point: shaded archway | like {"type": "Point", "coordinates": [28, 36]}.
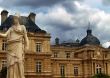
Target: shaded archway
{"type": "Point", "coordinates": [3, 72]}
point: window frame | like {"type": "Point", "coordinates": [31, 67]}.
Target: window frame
{"type": "Point", "coordinates": [55, 54]}
{"type": "Point", "coordinates": [62, 70]}
{"type": "Point", "coordinates": [76, 70]}
{"type": "Point", "coordinates": [68, 55]}
{"type": "Point", "coordinates": [98, 69]}
{"type": "Point", "coordinates": [4, 45]}
{"type": "Point", "coordinates": [38, 47]}
{"type": "Point", "coordinates": [38, 67]}
{"type": "Point", "coordinates": [4, 63]}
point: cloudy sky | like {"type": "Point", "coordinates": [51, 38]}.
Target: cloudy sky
{"type": "Point", "coordinates": [66, 19]}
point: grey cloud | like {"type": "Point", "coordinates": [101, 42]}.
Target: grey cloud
{"type": "Point", "coordinates": [60, 25]}
{"type": "Point", "coordinates": [78, 24]}
{"type": "Point", "coordinates": [33, 3]}
{"type": "Point", "coordinates": [30, 3]}
{"type": "Point", "coordinates": [38, 3]}
{"type": "Point", "coordinates": [69, 6]}
{"type": "Point", "coordinates": [106, 2]}
{"type": "Point", "coordinates": [56, 25]}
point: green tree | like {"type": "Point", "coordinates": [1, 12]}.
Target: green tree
{"type": "Point", "coordinates": [101, 75]}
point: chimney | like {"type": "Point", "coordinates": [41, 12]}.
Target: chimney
{"type": "Point", "coordinates": [4, 15]}
{"type": "Point", "coordinates": [57, 41]}
{"type": "Point", "coordinates": [32, 16]}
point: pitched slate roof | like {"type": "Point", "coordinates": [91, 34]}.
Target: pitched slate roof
{"type": "Point", "coordinates": [30, 25]}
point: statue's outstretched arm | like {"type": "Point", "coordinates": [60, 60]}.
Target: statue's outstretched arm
{"type": "Point", "coordinates": [26, 40]}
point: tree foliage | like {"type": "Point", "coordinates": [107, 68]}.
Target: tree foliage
{"type": "Point", "coordinates": [101, 75]}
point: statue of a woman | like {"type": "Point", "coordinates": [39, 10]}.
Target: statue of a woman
{"type": "Point", "coordinates": [17, 44]}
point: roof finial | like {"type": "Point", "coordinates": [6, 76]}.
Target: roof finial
{"type": "Point", "coordinates": [89, 24]}
{"type": "Point", "coordinates": [89, 31]}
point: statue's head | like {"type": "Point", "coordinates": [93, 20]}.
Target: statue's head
{"type": "Point", "coordinates": [16, 19]}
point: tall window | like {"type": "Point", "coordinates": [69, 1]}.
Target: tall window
{"type": "Point", "coordinates": [98, 69]}
{"type": "Point", "coordinates": [93, 55]}
{"type": "Point", "coordinates": [4, 45]}
{"type": "Point", "coordinates": [38, 67]}
{"type": "Point", "coordinates": [62, 70]}
{"type": "Point", "coordinates": [105, 55]}
{"type": "Point", "coordinates": [67, 55]}
{"type": "Point", "coordinates": [4, 63]}
{"type": "Point", "coordinates": [38, 47]}
{"type": "Point", "coordinates": [106, 68]}
{"type": "Point", "coordinates": [94, 68]}
{"type": "Point", "coordinates": [55, 54]}
{"type": "Point", "coordinates": [75, 70]}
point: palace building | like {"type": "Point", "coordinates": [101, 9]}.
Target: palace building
{"type": "Point", "coordinates": [79, 59]}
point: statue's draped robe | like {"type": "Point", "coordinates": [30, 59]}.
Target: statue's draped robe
{"type": "Point", "coordinates": [15, 54]}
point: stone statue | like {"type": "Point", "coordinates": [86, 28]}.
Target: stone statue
{"type": "Point", "coordinates": [17, 44]}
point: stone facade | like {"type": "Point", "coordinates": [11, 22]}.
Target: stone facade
{"type": "Point", "coordinates": [88, 60]}
{"type": "Point", "coordinates": [44, 60]}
